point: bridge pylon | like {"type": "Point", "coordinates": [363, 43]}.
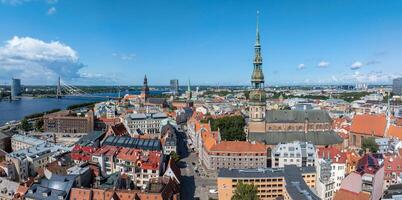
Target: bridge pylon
{"type": "Point", "coordinates": [58, 92]}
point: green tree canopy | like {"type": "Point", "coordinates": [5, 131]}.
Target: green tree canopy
{"type": "Point", "coordinates": [25, 125]}
{"type": "Point", "coordinates": [39, 124]}
{"type": "Point", "coordinates": [231, 127]}
{"type": "Point", "coordinates": [245, 192]}
{"type": "Point", "coordinates": [370, 144]}
{"type": "Point", "coordinates": [175, 156]}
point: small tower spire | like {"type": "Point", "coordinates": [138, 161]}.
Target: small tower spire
{"type": "Point", "coordinates": [145, 88]}
{"type": "Point", "coordinates": [257, 41]}
{"type": "Point", "coordinates": [257, 78]}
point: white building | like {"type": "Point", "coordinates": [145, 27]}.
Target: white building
{"type": "Point", "coordinates": [19, 142]}
{"type": "Point", "coordinates": [337, 159]}
{"type": "Point", "coordinates": [27, 161]}
{"type": "Point", "coordinates": [144, 123]}
{"type": "Point", "coordinates": [324, 183]}
{"type": "Point", "coordinates": [297, 153]}
{"type": "Point", "coordinates": [7, 189]}
{"type": "Point", "coordinates": [105, 110]}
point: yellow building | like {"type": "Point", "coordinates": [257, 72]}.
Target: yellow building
{"type": "Point", "coordinates": [290, 182]}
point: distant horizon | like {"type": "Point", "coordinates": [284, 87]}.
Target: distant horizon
{"type": "Point", "coordinates": [207, 42]}
{"type": "Point", "coordinates": [195, 85]}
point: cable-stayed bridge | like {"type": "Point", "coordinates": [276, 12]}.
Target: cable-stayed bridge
{"type": "Point", "coordinates": [66, 90]}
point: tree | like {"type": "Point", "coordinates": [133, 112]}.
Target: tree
{"type": "Point", "coordinates": [231, 127]}
{"type": "Point", "coordinates": [175, 156]}
{"type": "Point", "coordinates": [39, 124]}
{"type": "Point", "coordinates": [370, 144]}
{"type": "Point", "coordinates": [25, 125]}
{"type": "Point", "coordinates": [245, 192]}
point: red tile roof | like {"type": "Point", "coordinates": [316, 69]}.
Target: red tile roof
{"type": "Point", "coordinates": [392, 163]}
{"type": "Point", "coordinates": [395, 131]}
{"type": "Point", "coordinates": [348, 195]}
{"type": "Point", "coordinates": [335, 154]}
{"type": "Point", "coordinates": [369, 124]}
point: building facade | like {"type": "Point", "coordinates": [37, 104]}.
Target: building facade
{"type": "Point", "coordinates": [69, 122]}
{"type": "Point", "coordinates": [19, 142]}
{"type": "Point", "coordinates": [301, 154]}
{"type": "Point", "coordinates": [144, 123]}
{"type": "Point", "coordinates": [397, 86]}
{"type": "Point", "coordinates": [15, 88]}
{"type": "Point", "coordinates": [174, 86]}
{"type": "Point", "coordinates": [290, 182]}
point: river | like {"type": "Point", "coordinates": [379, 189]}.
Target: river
{"type": "Point", "coordinates": [16, 110]}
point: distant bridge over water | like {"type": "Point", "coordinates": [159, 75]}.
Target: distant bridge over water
{"type": "Point", "coordinates": [66, 90]}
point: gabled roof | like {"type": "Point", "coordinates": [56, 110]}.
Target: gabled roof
{"type": "Point", "coordinates": [366, 124]}
{"type": "Point", "coordinates": [343, 194]}
{"type": "Point", "coordinates": [368, 164]}
{"type": "Point", "coordinates": [119, 129]}
{"type": "Point", "coordinates": [297, 116]}
{"type": "Point", "coordinates": [334, 154]}
{"type": "Point", "coordinates": [395, 131]}
{"type": "Point", "coordinates": [315, 137]}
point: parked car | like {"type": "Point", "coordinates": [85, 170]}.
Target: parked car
{"type": "Point", "coordinates": [213, 191]}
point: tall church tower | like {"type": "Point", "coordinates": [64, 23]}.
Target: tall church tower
{"type": "Point", "coordinates": [145, 89]}
{"type": "Point", "coordinates": [257, 97]}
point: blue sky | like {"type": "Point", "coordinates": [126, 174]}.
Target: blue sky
{"type": "Point", "coordinates": [209, 42]}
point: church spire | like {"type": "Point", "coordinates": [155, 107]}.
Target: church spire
{"type": "Point", "coordinates": [257, 78]}
{"type": "Point", "coordinates": [257, 41]}
{"type": "Point", "coordinates": [145, 88]}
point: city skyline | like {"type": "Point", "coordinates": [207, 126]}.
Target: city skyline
{"type": "Point", "coordinates": [116, 44]}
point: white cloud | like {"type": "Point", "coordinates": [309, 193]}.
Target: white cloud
{"type": "Point", "coordinates": [19, 2]}
{"type": "Point", "coordinates": [51, 11]}
{"type": "Point", "coordinates": [356, 65]}
{"type": "Point", "coordinates": [301, 66]}
{"type": "Point", "coordinates": [323, 64]}
{"type": "Point", "coordinates": [124, 56]}
{"type": "Point", "coordinates": [36, 61]}
{"type": "Point", "coordinates": [14, 2]}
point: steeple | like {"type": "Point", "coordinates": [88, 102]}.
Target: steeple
{"type": "Point", "coordinates": [145, 88]}
{"type": "Point", "coordinates": [188, 92]}
{"type": "Point", "coordinates": [257, 78]}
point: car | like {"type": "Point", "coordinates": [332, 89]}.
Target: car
{"type": "Point", "coordinates": [213, 191]}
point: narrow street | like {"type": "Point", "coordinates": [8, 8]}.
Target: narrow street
{"type": "Point", "coordinates": [192, 185]}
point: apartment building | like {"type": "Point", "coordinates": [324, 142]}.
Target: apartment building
{"type": "Point", "coordinates": [19, 142]}
{"type": "Point", "coordinates": [28, 161]}
{"type": "Point", "coordinates": [290, 182]}
{"type": "Point", "coordinates": [367, 181]}
{"type": "Point", "coordinates": [301, 154]}
{"type": "Point", "coordinates": [67, 121]}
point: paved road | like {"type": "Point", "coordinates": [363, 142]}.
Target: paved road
{"type": "Point", "coordinates": [192, 185]}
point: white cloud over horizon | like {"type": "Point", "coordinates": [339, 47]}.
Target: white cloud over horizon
{"type": "Point", "coordinates": [51, 11]}
{"type": "Point", "coordinates": [356, 65]}
{"type": "Point", "coordinates": [38, 61]}
{"type": "Point", "coordinates": [323, 64]}
{"type": "Point", "coordinates": [301, 66]}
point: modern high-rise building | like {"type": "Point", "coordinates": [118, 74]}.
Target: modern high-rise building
{"type": "Point", "coordinates": [397, 86]}
{"type": "Point", "coordinates": [15, 88]}
{"type": "Point", "coordinates": [174, 86]}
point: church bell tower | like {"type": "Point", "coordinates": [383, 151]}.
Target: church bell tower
{"type": "Point", "coordinates": [257, 97]}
